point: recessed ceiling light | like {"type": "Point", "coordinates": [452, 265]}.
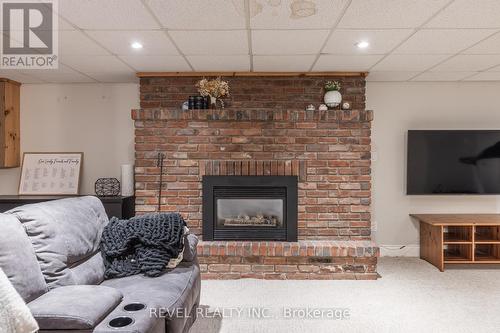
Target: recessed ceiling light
{"type": "Point", "coordinates": [136, 45]}
{"type": "Point", "coordinates": [362, 44]}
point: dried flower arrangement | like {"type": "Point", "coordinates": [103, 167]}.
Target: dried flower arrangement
{"type": "Point", "coordinates": [216, 89]}
{"type": "Point", "coordinates": [332, 86]}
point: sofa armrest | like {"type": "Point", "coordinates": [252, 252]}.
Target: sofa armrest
{"type": "Point", "coordinates": [75, 307]}
{"type": "Point", "coordinates": [190, 244]}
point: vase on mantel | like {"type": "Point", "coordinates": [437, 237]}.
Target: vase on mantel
{"type": "Point", "coordinates": [333, 98]}
{"type": "Point", "coordinates": [213, 102]}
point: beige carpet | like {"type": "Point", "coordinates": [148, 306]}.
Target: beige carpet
{"type": "Point", "coordinates": [411, 296]}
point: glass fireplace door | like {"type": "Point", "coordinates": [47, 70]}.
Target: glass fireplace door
{"type": "Point", "coordinates": [249, 212]}
{"type": "Point", "coordinates": [250, 208]}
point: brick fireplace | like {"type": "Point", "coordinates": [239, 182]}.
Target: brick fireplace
{"type": "Point", "coordinates": [264, 131]}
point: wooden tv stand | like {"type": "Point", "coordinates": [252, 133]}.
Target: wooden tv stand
{"type": "Point", "coordinates": [459, 238]}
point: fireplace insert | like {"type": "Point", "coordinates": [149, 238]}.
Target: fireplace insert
{"type": "Point", "coordinates": [250, 208]}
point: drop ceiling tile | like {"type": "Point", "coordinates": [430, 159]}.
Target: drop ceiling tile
{"type": "Point", "coordinates": [95, 64]}
{"type": "Point", "coordinates": [64, 25]}
{"type": "Point", "coordinates": [468, 14]}
{"type": "Point", "coordinates": [443, 76]}
{"type": "Point", "coordinates": [16, 75]}
{"type": "Point", "coordinates": [363, 14]}
{"type": "Point", "coordinates": [488, 46]}
{"type": "Point", "coordinates": [360, 63]}
{"type": "Point", "coordinates": [61, 26]}
{"type": "Point", "coordinates": [381, 41]}
{"type": "Point", "coordinates": [390, 76]}
{"type": "Point", "coordinates": [74, 42]}
{"type": "Point", "coordinates": [408, 62]}
{"type": "Point", "coordinates": [494, 69]}
{"type": "Point", "coordinates": [442, 41]}
{"type": "Point", "coordinates": [118, 42]}
{"type": "Point", "coordinates": [61, 75]}
{"type": "Point", "coordinates": [296, 14]}
{"type": "Point", "coordinates": [145, 63]}
{"type": "Point", "coordinates": [468, 63]}
{"type": "Point", "coordinates": [114, 77]}
{"type": "Point", "coordinates": [288, 42]}
{"type": "Point", "coordinates": [109, 14]}
{"type": "Point", "coordinates": [485, 76]}
{"type": "Point", "coordinates": [220, 63]}
{"type": "Point", "coordinates": [211, 42]}
{"type": "Point", "coordinates": [199, 14]}
{"type": "Point", "coordinates": [293, 63]}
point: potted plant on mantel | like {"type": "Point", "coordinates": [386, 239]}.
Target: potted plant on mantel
{"type": "Point", "coordinates": [216, 89]}
{"type": "Point", "coordinates": [332, 98]}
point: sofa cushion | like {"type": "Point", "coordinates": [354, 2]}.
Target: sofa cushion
{"type": "Point", "coordinates": [89, 271]}
{"type": "Point", "coordinates": [63, 233]}
{"type": "Point", "coordinates": [18, 259]}
{"type": "Point", "coordinates": [176, 289]}
{"type": "Point", "coordinates": [74, 307]}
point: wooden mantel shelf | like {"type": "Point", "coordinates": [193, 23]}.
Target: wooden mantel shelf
{"type": "Point", "coordinates": [459, 238]}
{"type": "Point", "coordinates": [248, 74]}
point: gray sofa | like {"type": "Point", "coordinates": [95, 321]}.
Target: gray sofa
{"type": "Point", "coordinates": [50, 253]}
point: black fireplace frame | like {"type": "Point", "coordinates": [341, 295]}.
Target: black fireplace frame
{"type": "Point", "coordinates": [286, 233]}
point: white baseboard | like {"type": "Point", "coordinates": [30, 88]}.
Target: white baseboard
{"type": "Point", "coordinates": [412, 250]}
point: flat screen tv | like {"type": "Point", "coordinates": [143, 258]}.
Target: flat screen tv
{"type": "Point", "coordinates": [453, 162]}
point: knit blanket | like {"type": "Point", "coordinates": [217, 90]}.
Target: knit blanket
{"type": "Point", "coordinates": [15, 316]}
{"type": "Point", "coordinates": [144, 244]}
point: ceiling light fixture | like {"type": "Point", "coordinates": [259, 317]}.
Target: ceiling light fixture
{"type": "Point", "coordinates": [362, 45]}
{"type": "Point", "coordinates": [136, 45]}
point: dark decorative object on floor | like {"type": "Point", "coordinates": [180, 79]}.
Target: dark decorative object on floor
{"type": "Point", "coordinates": [144, 244]}
{"type": "Point", "coordinates": [107, 187]}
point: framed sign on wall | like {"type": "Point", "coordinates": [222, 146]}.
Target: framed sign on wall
{"type": "Point", "coordinates": [50, 174]}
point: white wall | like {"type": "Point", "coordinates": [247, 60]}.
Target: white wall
{"type": "Point", "coordinates": [91, 118]}
{"type": "Point", "coordinates": [402, 106]}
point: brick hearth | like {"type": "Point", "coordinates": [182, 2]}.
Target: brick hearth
{"type": "Point", "coordinates": [289, 260]}
{"type": "Point", "coordinates": [265, 131]}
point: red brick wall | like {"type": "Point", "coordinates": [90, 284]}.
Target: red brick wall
{"type": "Point", "coordinates": [263, 121]}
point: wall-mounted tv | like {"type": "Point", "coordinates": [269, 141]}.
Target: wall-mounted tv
{"type": "Point", "coordinates": [453, 162]}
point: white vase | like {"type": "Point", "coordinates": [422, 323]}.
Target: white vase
{"type": "Point", "coordinates": [333, 98]}
{"type": "Point", "coordinates": [213, 102]}
{"type": "Point", "coordinates": [127, 180]}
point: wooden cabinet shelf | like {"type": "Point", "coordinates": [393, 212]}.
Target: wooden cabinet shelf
{"type": "Point", "coordinates": [487, 252]}
{"type": "Point", "coordinates": [457, 234]}
{"type": "Point", "coordinates": [486, 241]}
{"type": "Point", "coordinates": [457, 252]}
{"type": "Point", "coordinates": [459, 238]}
{"type": "Point", "coordinates": [452, 238]}
{"type": "Point", "coordinates": [487, 234]}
